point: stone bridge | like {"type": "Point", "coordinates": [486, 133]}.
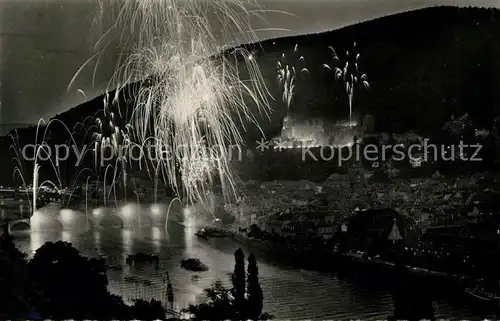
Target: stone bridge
{"type": "Point", "coordinates": [96, 219]}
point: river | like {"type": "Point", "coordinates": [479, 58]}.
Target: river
{"type": "Point", "coordinates": [289, 293]}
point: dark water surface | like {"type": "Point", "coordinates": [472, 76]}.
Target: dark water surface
{"type": "Point", "coordinates": [289, 293]}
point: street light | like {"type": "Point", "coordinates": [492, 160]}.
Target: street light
{"type": "Point", "coordinates": [96, 212]}
{"type": "Point", "coordinates": [156, 210]}
{"type": "Point", "coordinates": [127, 212]}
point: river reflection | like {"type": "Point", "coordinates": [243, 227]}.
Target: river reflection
{"type": "Point", "coordinates": [289, 293]}
{"type": "Point", "coordinates": [156, 238]}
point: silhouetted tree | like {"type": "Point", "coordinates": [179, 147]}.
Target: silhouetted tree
{"type": "Point", "coordinates": [70, 285]}
{"type": "Point", "coordinates": [255, 295]}
{"type": "Point", "coordinates": [144, 310]}
{"type": "Point", "coordinates": [218, 306]}
{"type": "Point", "coordinates": [58, 282]}
{"type": "Point", "coordinates": [14, 283]}
{"type": "Point", "coordinates": [238, 280]}
{"type": "Point", "coordinates": [255, 231]}
{"type": "Point", "coordinates": [170, 292]}
{"type": "Point", "coordinates": [221, 303]}
{"type": "Point", "coordinates": [410, 300]}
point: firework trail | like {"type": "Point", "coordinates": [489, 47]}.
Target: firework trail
{"type": "Point", "coordinates": [192, 104]}
{"type": "Point", "coordinates": [349, 74]}
{"type": "Point", "coordinates": [286, 77]}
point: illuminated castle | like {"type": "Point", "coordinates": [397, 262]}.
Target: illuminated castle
{"type": "Point", "coordinates": [318, 132]}
{"type": "Point", "coordinates": [310, 129]}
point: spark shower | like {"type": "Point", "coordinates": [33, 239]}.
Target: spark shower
{"type": "Point", "coordinates": [192, 99]}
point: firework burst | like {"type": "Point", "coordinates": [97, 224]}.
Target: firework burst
{"type": "Point", "coordinates": [349, 74]}
{"type": "Point", "coordinates": [287, 76]}
{"type": "Point", "coordinates": [192, 103]}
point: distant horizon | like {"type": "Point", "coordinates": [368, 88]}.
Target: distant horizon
{"type": "Point", "coordinates": [6, 128]}
{"type": "Point", "coordinates": [39, 58]}
{"type": "Point", "coordinates": [90, 95]}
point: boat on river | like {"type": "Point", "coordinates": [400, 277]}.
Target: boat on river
{"type": "Point", "coordinates": [483, 295]}
{"type": "Point", "coordinates": [142, 258]}
{"type": "Point", "coordinates": [427, 272]}
{"type": "Point", "coordinates": [201, 234]}
{"type": "Point", "coordinates": [254, 243]}
{"type": "Point", "coordinates": [194, 265]}
{"type": "Point", "coordinates": [114, 267]}
{"type": "Point", "coordinates": [360, 257]}
{"type": "Point", "coordinates": [208, 232]}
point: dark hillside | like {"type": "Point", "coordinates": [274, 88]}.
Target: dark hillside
{"type": "Point", "coordinates": [422, 65]}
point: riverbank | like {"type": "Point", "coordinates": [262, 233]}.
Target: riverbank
{"type": "Point", "coordinates": [323, 259]}
{"type": "Point", "coordinates": [355, 265]}
{"type": "Point", "coordinates": [291, 293]}
{"type": "Point", "coordinates": [308, 258]}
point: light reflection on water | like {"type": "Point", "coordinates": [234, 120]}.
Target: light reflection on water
{"type": "Point", "coordinates": [127, 241]}
{"type": "Point", "coordinates": [97, 241]}
{"type": "Point", "coordinates": [156, 238]}
{"type": "Point", "coordinates": [36, 241]}
{"type": "Point", "coordinates": [289, 294]}
{"type": "Point", "coordinates": [66, 236]}
{"type": "Point", "coordinates": [189, 241]}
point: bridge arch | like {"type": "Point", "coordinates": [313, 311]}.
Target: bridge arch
{"type": "Point", "coordinates": [110, 220]}
{"type": "Point", "coordinates": [50, 224]}
{"type": "Point", "coordinates": [145, 220]}
{"type": "Point", "coordinates": [175, 217]}
{"type": "Point", "coordinates": [74, 220]}
{"type": "Point", "coordinates": [13, 225]}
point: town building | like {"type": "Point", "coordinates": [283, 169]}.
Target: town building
{"type": "Point", "coordinates": [326, 231]}
{"type": "Point", "coordinates": [310, 130]}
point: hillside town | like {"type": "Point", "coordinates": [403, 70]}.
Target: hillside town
{"type": "Point", "coordinates": [325, 207]}
{"type": "Point", "coordinates": [414, 188]}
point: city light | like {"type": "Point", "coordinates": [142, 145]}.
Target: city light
{"type": "Point", "coordinates": [37, 221]}
{"type": "Point", "coordinates": [127, 211]}
{"type": "Point", "coordinates": [156, 210]}
{"type": "Point", "coordinates": [155, 233]}
{"type": "Point", "coordinates": [187, 211]}
{"type": "Point", "coordinates": [97, 212]}
{"type": "Point", "coordinates": [67, 216]}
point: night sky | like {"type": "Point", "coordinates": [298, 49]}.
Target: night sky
{"type": "Point", "coordinates": [43, 43]}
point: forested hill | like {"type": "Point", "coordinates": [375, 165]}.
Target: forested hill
{"type": "Point", "coordinates": [422, 65]}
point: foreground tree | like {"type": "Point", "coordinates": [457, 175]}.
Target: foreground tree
{"type": "Point", "coordinates": [71, 286]}
{"type": "Point", "coordinates": [143, 310]}
{"type": "Point", "coordinates": [222, 303]}
{"type": "Point", "coordinates": [238, 280]}
{"type": "Point", "coordinates": [218, 305]}
{"type": "Point", "coordinates": [14, 282]}
{"type": "Point", "coordinates": [255, 296]}
{"type": "Point", "coordinates": [59, 283]}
